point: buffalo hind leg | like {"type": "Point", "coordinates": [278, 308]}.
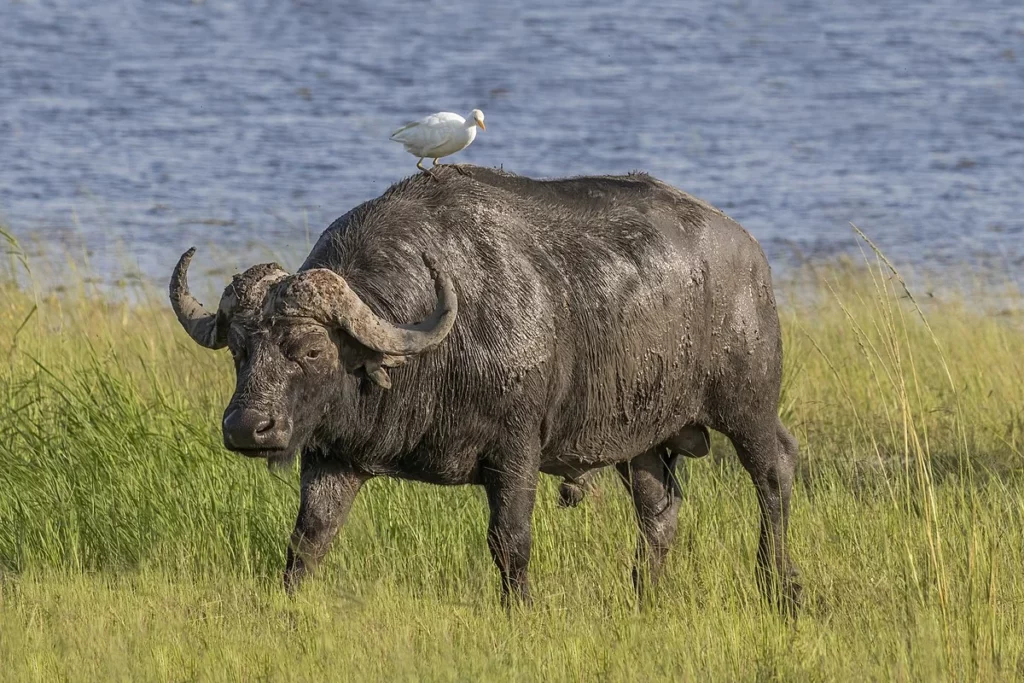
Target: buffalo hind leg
{"type": "Point", "coordinates": [650, 478]}
{"type": "Point", "coordinates": [326, 498]}
{"type": "Point", "coordinates": [511, 495]}
{"type": "Point", "coordinates": [771, 459]}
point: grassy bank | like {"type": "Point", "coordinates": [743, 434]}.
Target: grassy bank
{"type": "Point", "coordinates": [133, 546]}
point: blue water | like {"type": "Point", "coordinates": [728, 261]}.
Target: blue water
{"type": "Point", "coordinates": [130, 129]}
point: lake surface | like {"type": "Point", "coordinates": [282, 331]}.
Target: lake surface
{"type": "Point", "coordinates": [130, 130]}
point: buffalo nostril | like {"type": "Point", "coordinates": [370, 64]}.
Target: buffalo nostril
{"type": "Point", "coordinates": [248, 429]}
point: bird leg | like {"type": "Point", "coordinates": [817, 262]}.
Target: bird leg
{"type": "Point", "coordinates": [424, 169]}
{"type": "Point", "coordinates": [457, 167]}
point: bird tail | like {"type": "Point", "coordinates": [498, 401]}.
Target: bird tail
{"type": "Point", "coordinates": [397, 135]}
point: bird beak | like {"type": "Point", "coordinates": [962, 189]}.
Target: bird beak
{"type": "Point", "coordinates": [481, 124]}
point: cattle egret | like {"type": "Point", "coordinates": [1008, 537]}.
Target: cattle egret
{"type": "Point", "coordinates": [439, 135]}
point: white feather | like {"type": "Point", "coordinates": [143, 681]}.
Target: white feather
{"type": "Point", "coordinates": [439, 135]}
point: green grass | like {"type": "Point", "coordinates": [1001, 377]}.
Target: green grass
{"type": "Point", "coordinates": [132, 546]}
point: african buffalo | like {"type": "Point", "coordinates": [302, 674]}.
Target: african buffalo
{"type": "Point", "coordinates": [572, 324]}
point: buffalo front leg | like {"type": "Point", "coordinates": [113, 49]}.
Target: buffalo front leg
{"type": "Point", "coordinates": [326, 497]}
{"type": "Point", "coordinates": [511, 495]}
{"type": "Point", "coordinates": [650, 478]}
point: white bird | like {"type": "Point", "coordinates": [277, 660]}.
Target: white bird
{"type": "Point", "coordinates": [439, 135]}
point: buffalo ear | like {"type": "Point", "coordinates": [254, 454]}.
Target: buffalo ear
{"type": "Point", "coordinates": [377, 374]}
{"type": "Point", "coordinates": [380, 377]}
{"type": "Point", "coordinates": [359, 359]}
{"type": "Point", "coordinates": [375, 368]}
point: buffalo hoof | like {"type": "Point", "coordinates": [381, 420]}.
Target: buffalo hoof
{"type": "Point", "coordinates": [792, 597]}
{"type": "Point", "coordinates": [570, 494]}
{"type": "Point", "coordinates": [294, 573]}
{"type": "Point", "coordinates": [785, 594]}
{"type": "Point", "coordinates": [574, 489]}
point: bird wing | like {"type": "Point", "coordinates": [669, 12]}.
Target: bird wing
{"type": "Point", "coordinates": [430, 131]}
{"type": "Point", "coordinates": [445, 117]}
{"type": "Point", "coordinates": [426, 135]}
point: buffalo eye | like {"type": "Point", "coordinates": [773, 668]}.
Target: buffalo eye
{"type": "Point", "coordinates": [313, 354]}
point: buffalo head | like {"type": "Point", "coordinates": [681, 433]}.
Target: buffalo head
{"type": "Point", "coordinates": [299, 342]}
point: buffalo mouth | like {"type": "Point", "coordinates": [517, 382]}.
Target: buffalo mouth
{"type": "Point", "coordinates": [262, 453]}
{"type": "Point", "coordinates": [276, 459]}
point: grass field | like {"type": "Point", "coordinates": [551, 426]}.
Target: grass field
{"type": "Point", "coordinates": [134, 547]}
